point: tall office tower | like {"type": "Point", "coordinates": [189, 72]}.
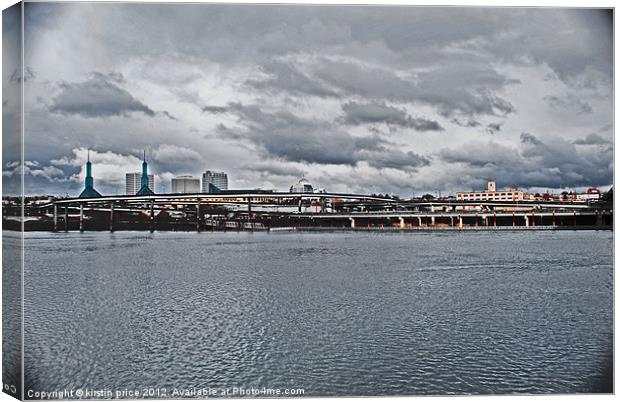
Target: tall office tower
{"type": "Point", "coordinates": [218, 181]}
{"type": "Point", "coordinates": [133, 182]}
{"type": "Point", "coordinates": [185, 185]}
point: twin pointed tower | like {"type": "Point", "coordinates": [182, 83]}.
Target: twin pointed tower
{"type": "Point", "coordinates": [89, 191]}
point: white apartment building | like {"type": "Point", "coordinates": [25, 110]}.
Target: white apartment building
{"type": "Point", "coordinates": [185, 185]}
{"type": "Point", "coordinates": [491, 194]}
{"type": "Point", "coordinates": [133, 182]}
{"type": "Point", "coordinates": [218, 179]}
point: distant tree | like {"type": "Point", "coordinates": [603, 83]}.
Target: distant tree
{"type": "Point", "coordinates": [428, 197]}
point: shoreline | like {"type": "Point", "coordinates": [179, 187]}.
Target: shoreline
{"type": "Point", "coordinates": [343, 230]}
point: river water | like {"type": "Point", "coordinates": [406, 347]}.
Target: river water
{"type": "Point", "coordinates": [330, 313]}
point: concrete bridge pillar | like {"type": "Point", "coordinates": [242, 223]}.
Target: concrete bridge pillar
{"type": "Point", "coordinates": [476, 217]}
{"type": "Point", "coordinates": [419, 221]}
{"type": "Point", "coordinates": [112, 216]}
{"type": "Point", "coordinates": [575, 218]}
{"type": "Point", "coordinates": [460, 222]}
{"type": "Point", "coordinates": [514, 223]}
{"type": "Point", "coordinates": [527, 221]}
{"type": "Point", "coordinates": [352, 222]}
{"type": "Point", "coordinates": [433, 220]}
{"type": "Point", "coordinates": [55, 217]}
{"type": "Point", "coordinates": [402, 222]}
{"type": "Point", "coordinates": [494, 220]}
{"type": "Point", "coordinates": [198, 216]}
{"type": "Point", "coordinates": [553, 218]}
{"type": "Point", "coordinates": [81, 217]}
{"type": "Point", "coordinates": [249, 205]}
{"type": "Point", "coordinates": [152, 216]}
{"type": "Point", "coordinates": [299, 205]}
{"type": "Point", "coordinates": [66, 219]}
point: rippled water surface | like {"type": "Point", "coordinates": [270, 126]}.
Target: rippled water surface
{"type": "Point", "coordinates": [333, 313]}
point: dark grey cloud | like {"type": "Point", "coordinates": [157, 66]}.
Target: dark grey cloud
{"type": "Point", "coordinates": [488, 154]}
{"type": "Point", "coordinates": [466, 122]}
{"type": "Point", "coordinates": [284, 135]}
{"type": "Point", "coordinates": [493, 128]}
{"type": "Point", "coordinates": [285, 77]}
{"type": "Point", "coordinates": [466, 88]}
{"type": "Point", "coordinates": [580, 37]}
{"type": "Point", "coordinates": [17, 75]}
{"type": "Point", "coordinates": [274, 168]}
{"type": "Point", "coordinates": [568, 40]}
{"type": "Point", "coordinates": [553, 163]}
{"type": "Point", "coordinates": [363, 113]}
{"type": "Point", "coordinates": [215, 109]}
{"type": "Point", "coordinates": [570, 102]}
{"type": "Point", "coordinates": [527, 138]}
{"type": "Point", "coordinates": [393, 158]}
{"type": "Point", "coordinates": [168, 115]}
{"type": "Point", "coordinates": [457, 89]}
{"type": "Point", "coordinates": [99, 96]}
{"type": "Point", "coordinates": [592, 139]}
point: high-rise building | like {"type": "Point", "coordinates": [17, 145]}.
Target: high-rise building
{"type": "Point", "coordinates": [133, 182]}
{"type": "Point", "coordinates": [212, 181]}
{"type": "Point", "coordinates": [185, 185]}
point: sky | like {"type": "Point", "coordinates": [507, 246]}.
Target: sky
{"type": "Point", "coordinates": [368, 99]}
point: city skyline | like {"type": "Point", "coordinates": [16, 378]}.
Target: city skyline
{"type": "Point", "coordinates": [186, 184]}
{"type": "Point", "coordinates": [395, 100]}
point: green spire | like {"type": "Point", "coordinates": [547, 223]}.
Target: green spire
{"type": "Point", "coordinates": [144, 180]}
{"type": "Point", "coordinates": [89, 191]}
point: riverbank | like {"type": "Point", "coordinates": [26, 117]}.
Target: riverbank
{"type": "Point", "coordinates": [35, 226]}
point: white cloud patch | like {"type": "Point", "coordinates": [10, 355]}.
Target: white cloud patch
{"type": "Point", "coordinates": [108, 167]}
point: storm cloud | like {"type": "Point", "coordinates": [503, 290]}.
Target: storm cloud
{"type": "Point", "coordinates": [571, 103]}
{"type": "Point", "coordinates": [285, 77]}
{"type": "Point", "coordinates": [533, 163]}
{"type": "Point", "coordinates": [313, 141]}
{"type": "Point", "coordinates": [362, 113]}
{"type": "Point", "coordinates": [357, 98]}
{"type": "Point", "coordinates": [99, 96]}
{"type": "Point", "coordinates": [592, 139]}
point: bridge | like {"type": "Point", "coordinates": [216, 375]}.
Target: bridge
{"type": "Point", "coordinates": [354, 210]}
